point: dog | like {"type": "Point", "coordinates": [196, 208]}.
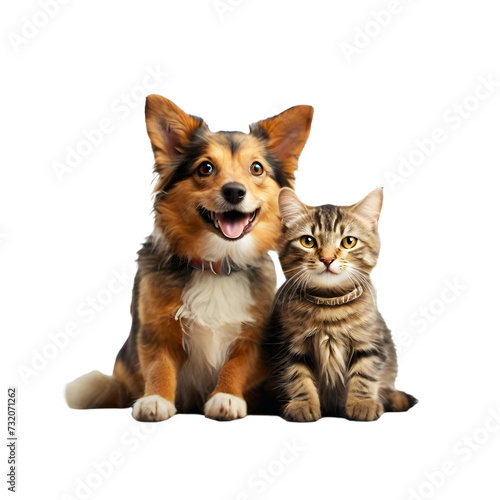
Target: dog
{"type": "Point", "coordinates": [205, 281]}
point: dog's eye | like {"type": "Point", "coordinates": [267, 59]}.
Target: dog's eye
{"type": "Point", "coordinates": [205, 169]}
{"type": "Point", "coordinates": [256, 168]}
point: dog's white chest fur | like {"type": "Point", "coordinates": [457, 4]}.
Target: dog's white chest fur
{"type": "Point", "coordinates": [212, 312]}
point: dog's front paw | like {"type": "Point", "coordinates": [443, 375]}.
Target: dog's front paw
{"type": "Point", "coordinates": [301, 411]}
{"type": "Point", "coordinates": [153, 409]}
{"type": "Point", "coordinates": [225, 407]}
{"type": "Point", "coordinates": [364, 409]}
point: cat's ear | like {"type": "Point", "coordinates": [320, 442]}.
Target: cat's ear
{"type": "Point", "coordinates": [286, 135]}
{"type": "Point", "coordinates": [170, 130]}
{"type": "Point", "coordinates": [368, 209]}
{"type": "Point", "coordinates": [291, 208]}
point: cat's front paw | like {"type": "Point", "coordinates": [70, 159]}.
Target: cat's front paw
{"type": "Point", "coordinates": [301, 411]}
{"type": "Point", "coordinates": [223, 406]}
{"type": "Point", "coordinates": [364, 409]}
{"type": "Point", "coordinates": [153, 409]}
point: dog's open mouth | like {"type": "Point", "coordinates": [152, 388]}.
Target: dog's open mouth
{"type": "Point", "coordinates": [233, 225]}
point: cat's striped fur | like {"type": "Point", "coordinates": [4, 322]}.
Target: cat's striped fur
{"type": "Point", "coordinates": [331, 359]}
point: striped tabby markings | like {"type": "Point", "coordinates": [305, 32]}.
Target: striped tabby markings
{"type": "Point", "coordinates": [363, 402]}
{"type": "Point", "coordinates": [304, 404]}
{"type": "Point", "coordinates": [350, 358]}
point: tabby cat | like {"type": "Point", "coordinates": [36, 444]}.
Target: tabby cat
{"type": "Point", "coordinates": [330, 350]}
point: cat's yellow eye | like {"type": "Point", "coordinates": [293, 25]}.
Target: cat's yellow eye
{"type": "Point", "coordinates": [308, 241]}
{"type": "Point", "coordinates": [349, 242]}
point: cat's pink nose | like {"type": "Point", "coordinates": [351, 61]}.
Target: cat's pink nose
{"type": "Point", "coordinates": [327, 261]}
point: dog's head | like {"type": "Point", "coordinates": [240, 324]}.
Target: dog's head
{"type": "Point", "coordinates": [217, 192]}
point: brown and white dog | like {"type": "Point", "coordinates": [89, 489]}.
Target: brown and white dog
{"type": "Point", "coordinates": [205, 281]}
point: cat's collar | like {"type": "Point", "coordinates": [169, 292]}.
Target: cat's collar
{"type": "Point", "coordinates": [224, 267]}
{"type": "Point", "coordinates": [335, 301]}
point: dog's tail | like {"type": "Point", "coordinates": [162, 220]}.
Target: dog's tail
{"type": "Point", "coordinates": [96, 390]}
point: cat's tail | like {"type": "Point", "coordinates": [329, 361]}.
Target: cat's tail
{"type": "Point", "coordinates": [394, 400]}
{"type": "Point", "coordinates": [96, 390]}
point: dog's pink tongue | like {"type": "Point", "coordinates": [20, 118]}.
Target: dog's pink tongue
{"type": "Point", "coordinates": [230, 226]}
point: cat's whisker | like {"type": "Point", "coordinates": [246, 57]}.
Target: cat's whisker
{"type": "Point", "coordinates": [303, 282]}
{"type": "Point", "coordinates": [364, 282]}
{"type": "Point", "coordinates": [290, 284]}
{"type": "Point", "coordinates": [300, 277]}
{"type": "Point", "coordinates": [354, 283]}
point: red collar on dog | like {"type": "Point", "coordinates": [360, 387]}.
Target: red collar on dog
{"type": "Point", "coordinates": [220, 267]}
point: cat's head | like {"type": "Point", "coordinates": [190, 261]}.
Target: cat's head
{"type": "Point", "coordinates": [329, 247]}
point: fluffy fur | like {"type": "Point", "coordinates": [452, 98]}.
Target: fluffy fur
{"type": "Point", "coordinates": [331, 351]}
{"type": "Point", "coordinates": [205, 281]}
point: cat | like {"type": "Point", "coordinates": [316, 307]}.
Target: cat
{"type": "Point", "coordinates": [330, 351]}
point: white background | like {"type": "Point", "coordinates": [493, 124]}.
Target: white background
{"type": "Point", "coordinates": [63, 238]}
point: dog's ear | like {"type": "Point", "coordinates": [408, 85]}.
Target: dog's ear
{"type": "Point", "coordinates": [286, 136]}
{"type": "Point", "coordinates": [170, 131]}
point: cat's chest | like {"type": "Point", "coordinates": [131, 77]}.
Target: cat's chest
{"type": "Point", "coordinates": [329, 342]}
{"type": "Point", "coordinates": [326, 345]}
{"type": "Point", "coordinates": [349, 324]}
{"type": "Point", "coordinates": [332, 352]}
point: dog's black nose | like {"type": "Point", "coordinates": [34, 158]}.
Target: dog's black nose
{"type": "Point", "coordinates": [234, 192]}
